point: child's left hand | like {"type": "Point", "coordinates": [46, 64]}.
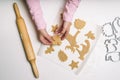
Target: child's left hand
{"type": "Point", "coordinates": [63, 30]}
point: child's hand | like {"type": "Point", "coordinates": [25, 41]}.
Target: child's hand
{"type": "Point", "coordinates": [63, 30]}
{"type": "Point", "coordinates": [44, 37]}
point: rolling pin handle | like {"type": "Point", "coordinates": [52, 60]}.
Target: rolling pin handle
{"type": "Point", "coordinates": [34, 68]}
{"type": "Point", "coordinates": [17, 12]}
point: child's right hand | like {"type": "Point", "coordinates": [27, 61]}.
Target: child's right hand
{"type": "Point", "coordinates": [44, 37]}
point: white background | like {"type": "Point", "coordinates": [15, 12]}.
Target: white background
{"type": "Point", "coordinates": [13, 63]}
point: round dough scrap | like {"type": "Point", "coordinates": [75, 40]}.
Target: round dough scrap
{"type": "Point", "coordinates": [79, 24]}
{"type": "Point", "coordinates": [62, 56]}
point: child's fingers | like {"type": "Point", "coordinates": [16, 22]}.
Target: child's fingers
{"type": "Point", "coordinates": [45, 37]}
{"type": "Point", "coordinates": [65, 35]}
{"type": "Point", "coordinates": [45, 41]}
{"type": "Point", "coordinates": [48, 38]}
{"type": "Point", "coordinates": [62, 33]}
{"type": "Point", "coordinates": [58, 30]}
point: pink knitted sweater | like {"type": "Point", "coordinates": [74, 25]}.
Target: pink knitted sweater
{"type": "Point", "coordinates": [37, 15]}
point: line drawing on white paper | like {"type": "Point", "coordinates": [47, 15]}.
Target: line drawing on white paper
{"type": "Point", "coordinates": [111, 31]}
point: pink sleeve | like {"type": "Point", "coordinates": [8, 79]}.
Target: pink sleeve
{"type": "Point", "coordinates": [69, 10]}
{"type": "Point", "coordinates": [36, 13]}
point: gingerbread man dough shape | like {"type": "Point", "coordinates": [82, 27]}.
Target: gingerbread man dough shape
{"type": "Point", "coordinates": [49, 49]}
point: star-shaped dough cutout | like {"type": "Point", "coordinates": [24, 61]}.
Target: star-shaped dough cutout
{"type": "Point", "coordinates": [90, 35]}
{"type": "Point", "coordinates": [73, 64]}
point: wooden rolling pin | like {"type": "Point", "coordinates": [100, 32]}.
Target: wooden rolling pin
{"type": "Point", "coordinates": [26, 40]}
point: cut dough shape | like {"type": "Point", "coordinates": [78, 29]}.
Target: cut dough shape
{"type": "Point", "coordinates": [54, 28]}
{"type": "Point", "coordinates": [79, 24]}
{"type": "Point", "coordinates": [49, 49]}
{"type": "Point", "coordinates": [56, 40]}
{"type": "Point", "coordinates": [85, 49]}
{"type": "Point", "coordinates": [62, 56]}
{"type": "Point", "coordinates": [72, 40]}
{"type": "Point", "coordinates": [90, 35]}
{"type": "Point", "coordinates": [73, 64]}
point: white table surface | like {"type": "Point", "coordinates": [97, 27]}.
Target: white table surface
{"type": "Point", "coordinates": [13, 63]}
